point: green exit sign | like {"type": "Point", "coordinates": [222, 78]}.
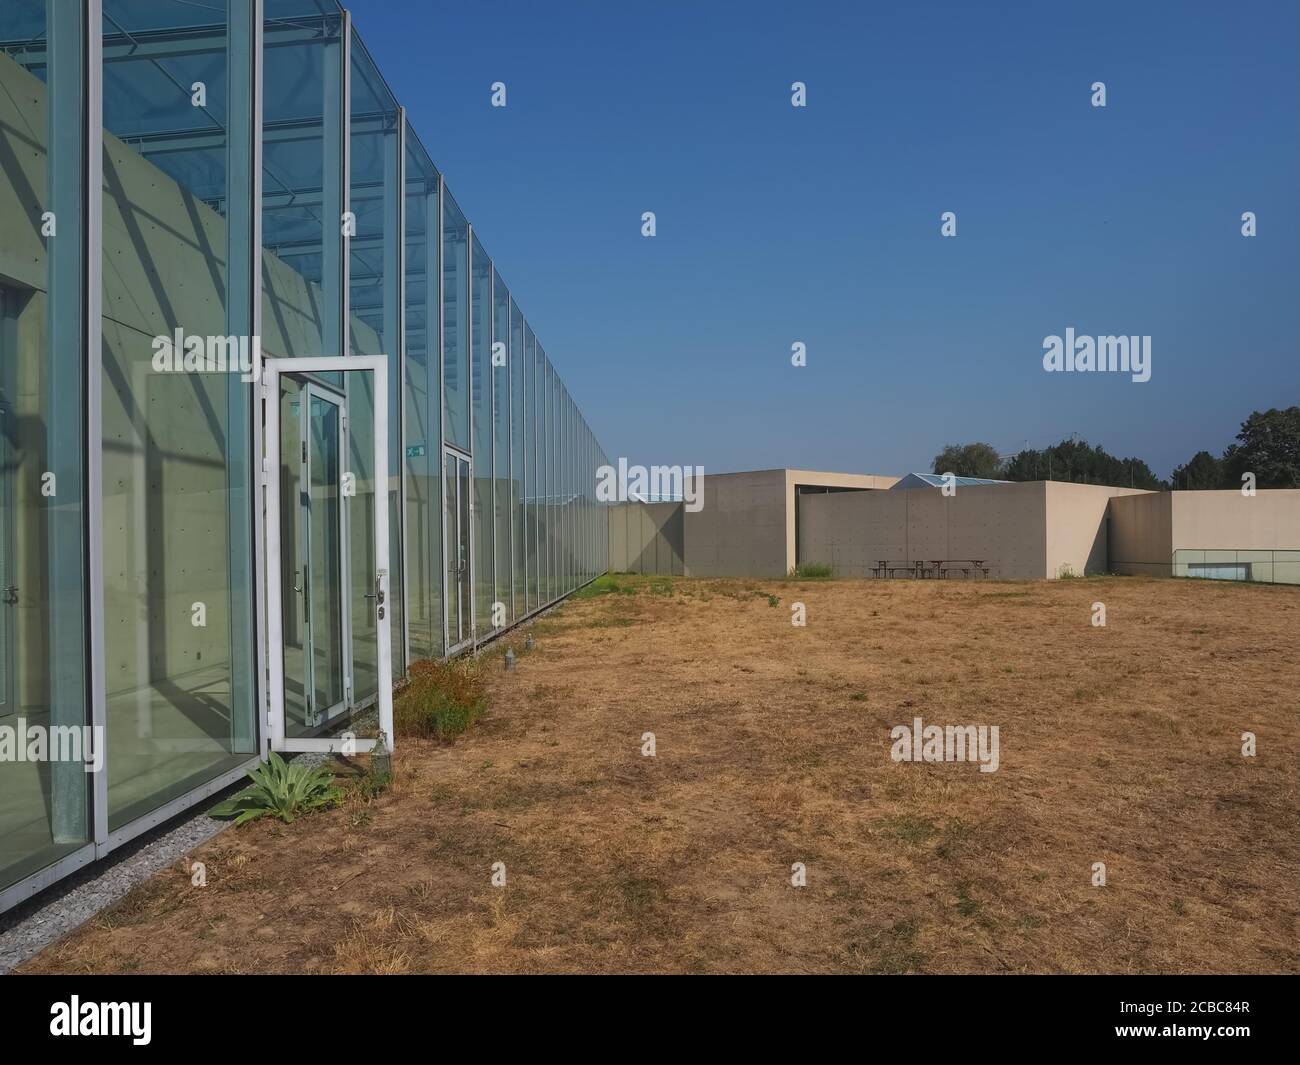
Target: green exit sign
{"type": "Point", "coordinates": [415, 451]}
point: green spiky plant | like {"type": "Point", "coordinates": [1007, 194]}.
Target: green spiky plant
{"type": "Point", "coordinates": [281, 789]}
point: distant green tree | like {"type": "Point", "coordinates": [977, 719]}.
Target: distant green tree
{"type": "Point", "coordinates": [1269, 448]}
{"type": "Point", "coordinates": [1202, 471]}
{"type": "Point", "coordinates": [968, 460]}
{"type": "Point", "coordinates": [1077, 460]}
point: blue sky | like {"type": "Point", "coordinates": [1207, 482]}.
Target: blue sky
{"type": "Point", "coordinates": [821, 224]}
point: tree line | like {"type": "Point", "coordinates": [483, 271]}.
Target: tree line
{"type": "Point", "coordinates": [1268, 446]}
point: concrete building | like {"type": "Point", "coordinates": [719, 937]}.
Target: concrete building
{"type": "Point", "coordinates": [762, 524]}
{"type": "Point", "coordinates": [1221, 535]}
{"type": "Point", "coordinates": [746, 524]}
{"type": "Point", "coordinates": [1030, 529]}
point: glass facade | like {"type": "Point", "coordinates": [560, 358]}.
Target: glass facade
{"type": "Point", "coordinates": [175, 444]}
{"type": "Point", "coordinates": [45, 809]}
{"type": "Point", "coordinates": [502, 548]}
{"type": "Point", "coordinates": [158, 230]}
{"type": "Point", "coordinates": [422, 411]}
{"type": "Point", "coordinates": [484, 510]}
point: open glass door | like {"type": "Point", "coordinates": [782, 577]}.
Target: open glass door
{"type": "Point", "coordinates": [325, 462]}
{"type": "Point", "coordinates": [456, 545]}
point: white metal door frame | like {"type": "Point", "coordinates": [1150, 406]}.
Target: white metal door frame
{"type": "Point", "coordinates": [464, 605]}
{"type": "Point", "coordinates": [272, 368]}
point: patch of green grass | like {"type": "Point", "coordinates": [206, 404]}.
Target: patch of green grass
{"type": "Point", "coordinates": [441, 699]}
{"type": "Point", "coordinates": [955, 833]}
{"type": "Point", "coordinates": [894, 952]}
{"type": "Point", "coordinates": [966, 906]}
{"type": "Point", "coordinates": [641, 895]}
{"type": "Point", "coordinates": [810, 571]}
{"type": "Point", "coordinates": [773, 600]}
{"type": "Point", "coordinates": [910, 828]}
{"type": "Point", "coordinates": [611, 623]}
{"type": "Point", "coordinates": [609, 584]}
{"type": "Point", "coordinates": [377, 777]}
{"type": "Point", "coordinates": [1159, 720]}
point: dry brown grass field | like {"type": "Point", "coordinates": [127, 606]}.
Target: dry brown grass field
{"type": "Point", "coordinates": [1119, 745]}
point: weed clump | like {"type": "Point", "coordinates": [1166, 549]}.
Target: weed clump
{"type": "Point", "coordinates": [441, 699]}
{"type": "Point", "coordinates": [810, 571]}
{"type": "Point", "coordinates": [280, 789]}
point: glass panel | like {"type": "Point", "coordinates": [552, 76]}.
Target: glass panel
{"type": "Point", "coordinates": [359, 493]}
{"type": "Point", "coordinates": [44, 808]}
{"type": "Point", "coordinates": [464, 548]}
{"type": "Point", "coordinates": [501, 453]}
{"type": "Point", "coordinates": [570, 506]}
{"type": "Point", "coordinates": [570, 527]}
{"type": "Point", "coordinates": [323, 520]}
{"type": "Point", "coordinates": [311, 565]}
{"type": "Point", "coordinates": [373, 267]}
{"type": "Point", "coordinates": [518, 524]}
{"type": "Point", "coordinates": [423, 396]}
{"type": "Point", "coordinates": [549, 478]}
{"type": "Point", "coordinates": [484, 514]}
{"type": "Point", "coordinates": [302, 178]}
{"type": "Point", "coordinates": [533, 504]}
{"type": "Point", "coordinates": [295, 587]}
{"type": "Point", "coordinates": [561, 497]}
{"type": "Point", "coordinates": [455, 324]}
{"type": "Point", "coordinates": [174, 429]}
{"type": "Point", "coordinates": [453, 552]}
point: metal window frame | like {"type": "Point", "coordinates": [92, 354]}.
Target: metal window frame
{"type": "Point", "coordinates": [94, 238]}
{"type": "Point", "coordinates": [400, 414]}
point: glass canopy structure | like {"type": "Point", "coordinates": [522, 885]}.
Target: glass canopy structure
{"type": "Point", "coordinates": [272, 425]}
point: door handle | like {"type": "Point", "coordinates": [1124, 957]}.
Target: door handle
{"type": "Point", "coordinates": [378, 596]}
{"type": "Point", "coordinates": [11, 594]}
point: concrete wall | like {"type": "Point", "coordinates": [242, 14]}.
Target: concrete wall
{"type": "Point", "coordinates": [746, 526]}
{"type": "Point", "coordinates": [1077, 526]}
{"type": "Point", "coordinates": [740, 530]}
{"type": "Point", "coordinates": [1141, 534]}
{"type": "Point", "coordinates": [1002, 525]}
{"type": "Point", "coordinates": [646, 538]}
{"type": "Point", "coordinates": [1161, 534]}
{"type": "Point", "coordinates": [1034, 529]}
{"type": "Point", "coordinates": [794, 479]}
{"type": "Point", "coordinates": [1266, 521]}
{"type": "Point", "coordinates": [1031, 529]}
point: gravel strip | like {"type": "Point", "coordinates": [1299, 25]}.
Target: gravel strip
{"type": "Point", "coordinates": [63, 907]}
